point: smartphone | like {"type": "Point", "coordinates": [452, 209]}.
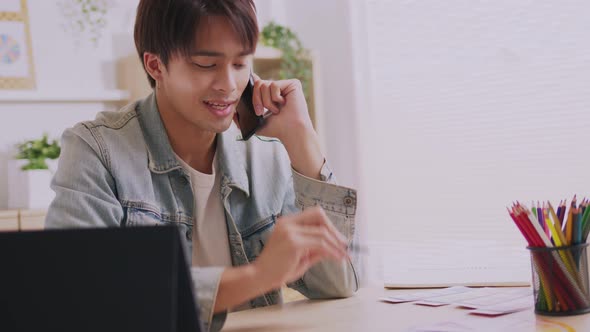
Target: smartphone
{"type": "Point", "coordinates": [246, 116]}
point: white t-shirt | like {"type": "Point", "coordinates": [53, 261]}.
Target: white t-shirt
{"type": "Point", "coordinates": [210, 240]}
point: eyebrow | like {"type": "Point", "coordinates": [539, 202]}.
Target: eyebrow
{"type": "Point", "coordinates": [217, 54]}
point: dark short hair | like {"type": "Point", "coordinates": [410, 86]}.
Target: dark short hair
{"type": "Point", "coordinates": [167, 27]}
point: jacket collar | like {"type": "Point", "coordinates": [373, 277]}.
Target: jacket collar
{"type": "Point", "coordinates": [231, 156]}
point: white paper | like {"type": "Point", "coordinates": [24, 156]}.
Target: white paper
{"type": "Point", "coordinates": [424, 295]}
{"type": "Point", "coordinates": [504, 295]}
{"type": "Point", "coordinates": [454, 298]}
{"type": "Point", "coordinates": [508, 307]}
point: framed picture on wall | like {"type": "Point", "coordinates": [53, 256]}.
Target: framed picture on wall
{"type": "Point", "coordinates": [16, 61]}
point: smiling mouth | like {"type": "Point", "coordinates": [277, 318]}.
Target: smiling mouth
{"type": "Point", "coordinates": [218, 105]}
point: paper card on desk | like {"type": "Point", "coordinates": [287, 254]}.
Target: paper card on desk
{"type": "Point", "coordinates": [500, 296]}
{"type": "Point", "coordinates": [509, 307]}
{"type": "Point", "coordinates": [425, 294]}
{"type": "Point", "coordinates": [473, 293]}
{"type": "Point", "coordinates": [430, 303]}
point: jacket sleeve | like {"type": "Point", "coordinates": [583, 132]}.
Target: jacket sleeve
{"type": "Point", "coordinates": [85, 191]}
{"type": "Point", "coordinates": [86, 196]}
{"type": "Point", "coordinates": [327, 279]}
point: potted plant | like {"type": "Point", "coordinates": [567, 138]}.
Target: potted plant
{"type": "Point", "coordinates": [85, 19]}
{"type": "Point", "coordinates": [295, 59]}
{"type": "Point", "coordinates": [29, 175]}
{"type": "Point", "coordinates": [281, 55]}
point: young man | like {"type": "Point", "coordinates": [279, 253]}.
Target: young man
{"type": "Point", "coordinates": [175, 157]}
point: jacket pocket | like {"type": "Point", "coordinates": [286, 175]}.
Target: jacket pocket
{"type": "Point", "coordinates": [255, 237]}
{"type": "Point", "coordinates": [142, 214]}
{"type": "Point", "coordinates": [141, 217]}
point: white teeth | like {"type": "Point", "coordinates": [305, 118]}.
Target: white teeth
{"type": "Point", "coordinates": [217, 106]}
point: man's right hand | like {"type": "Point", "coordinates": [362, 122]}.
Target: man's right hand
{"type": "Point", "coordinates": [297, 243]}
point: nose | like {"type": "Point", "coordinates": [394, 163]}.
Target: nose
{"type": "Point", "coordinates": [225, 81]}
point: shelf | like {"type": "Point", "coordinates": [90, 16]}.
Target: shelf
{"type": "Point", "coordinates": [62, 96]}
{"type": "Point", "coordinates": [265, 52]}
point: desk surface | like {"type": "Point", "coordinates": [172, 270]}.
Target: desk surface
{"type": "Point", "coordinates": [364, 312]}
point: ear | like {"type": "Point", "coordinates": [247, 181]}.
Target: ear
{"type": "Point", "coordinates": [153, 66]}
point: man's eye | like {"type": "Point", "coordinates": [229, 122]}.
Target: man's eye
{"type": "Point", "coordinates": [203, 66]}
{"type": "Point", "coordinates": [239, 65]}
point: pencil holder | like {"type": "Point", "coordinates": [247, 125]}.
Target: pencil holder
{"type": "Point", "coordinates": [560, 280]}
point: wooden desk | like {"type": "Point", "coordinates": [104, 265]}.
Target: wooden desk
{"type": "Point", "coordinates": [364, 312]}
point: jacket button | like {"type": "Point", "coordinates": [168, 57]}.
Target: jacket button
{"type": "Point", "coordinates": [348, 201]}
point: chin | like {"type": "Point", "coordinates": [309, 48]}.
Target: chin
{"type": "Point", "coordinates": [221, 126]}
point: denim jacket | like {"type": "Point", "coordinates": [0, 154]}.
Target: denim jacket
{"type": "Point", "coordinates": [119, 170]}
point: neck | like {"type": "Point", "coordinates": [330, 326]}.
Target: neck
{"type": "Point", "coordinates": [192, 144]}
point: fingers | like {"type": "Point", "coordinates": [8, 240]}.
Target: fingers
{"type": "Point", "coordinates": [275, 94]}
{"type": "Point", "coordinates": [316, 216]}
{"type": "Point", "coordinates": [257, 97]}
{"type": "Point", "coordinates": [305, 263]}
{"type": "Point", "coordinates": [311, 216]}
{"type": "Point", "coordinates": [320, 233]}
{"type": "Point", "coordinates": [315, 220]}
{"type": "Point", "coordinates": [325, 237]}
{"type": "Point", "coordinates": [322, 247]}
{"type": "Point", "coordinates": [266, 98]}
{"type": "Point", "coordinates": [267, 94]}
{"type": "Point", "coordinates": [311, 260]}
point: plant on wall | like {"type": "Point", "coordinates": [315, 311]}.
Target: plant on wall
{"type": "Point", "coordinates": [295, 58]}
{"type": "Point", "coordinates": [37, 152]}
{"type": "Point", "coordinates": [85, 18]}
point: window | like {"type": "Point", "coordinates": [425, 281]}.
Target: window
{"type": "Point", "coordinates": [474, 104]}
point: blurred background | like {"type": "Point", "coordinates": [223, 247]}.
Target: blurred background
{"type": "Point", "coordinates": [441, 113]}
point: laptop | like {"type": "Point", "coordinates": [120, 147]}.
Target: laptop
{"type": "Point", "coordinates": [107, 279]}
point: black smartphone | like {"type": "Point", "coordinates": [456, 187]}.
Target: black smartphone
{"type": "Point", "coordinates": [246, 116]}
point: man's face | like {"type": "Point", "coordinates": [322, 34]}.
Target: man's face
{"type": "Point", "coordinates": [205, 88]}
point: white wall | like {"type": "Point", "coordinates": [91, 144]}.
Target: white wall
{"type": "Point", "coordinates": [62, 69]}
{"type": "Point", "coordinates": [475, 104]}
{"type": "Point", "coordinates": [332, 43]}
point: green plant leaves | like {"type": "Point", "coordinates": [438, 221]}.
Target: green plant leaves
{"type": "Point", "coordinates": [37, 151]}
{"type": "Point", "coordinates": [294, 61]}
{"type": "Point", "coordinates": [85, 18]}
